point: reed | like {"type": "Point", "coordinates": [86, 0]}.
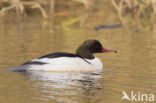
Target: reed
{"type": "Point", "coordinates": [19, 6]}
{"type": "Point", "coordinates": [141, 10]}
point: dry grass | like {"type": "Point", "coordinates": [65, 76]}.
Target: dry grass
{"type": "Point", "coordinates": [139, 9]}
{"type": "Point", "coordinates": [19, 7]}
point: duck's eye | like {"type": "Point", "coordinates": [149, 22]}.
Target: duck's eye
{"type": "Point", "coordinates": [97, 46]}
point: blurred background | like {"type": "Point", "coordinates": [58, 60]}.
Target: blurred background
{"type": "Point", "coordinates": [56, 14]}
{"type": "Point", "coordinates": [33, 28]}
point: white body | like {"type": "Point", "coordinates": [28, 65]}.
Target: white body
{"type": "Point", "coordinates": [64, 64]}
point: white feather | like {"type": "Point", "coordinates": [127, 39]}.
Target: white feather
{"type": "Point", "coordinates": [65, 64]}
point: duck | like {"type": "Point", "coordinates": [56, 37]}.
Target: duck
{"type": "Point", "coordinates": [83, 60]}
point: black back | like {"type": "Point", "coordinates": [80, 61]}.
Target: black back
{"type": "Point", "coordinates": [59, 54]}
{"type": "Point", "coordinates": [62, 54]}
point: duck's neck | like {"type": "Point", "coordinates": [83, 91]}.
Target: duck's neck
{"type": "Point", "coordinates": [84, 52]}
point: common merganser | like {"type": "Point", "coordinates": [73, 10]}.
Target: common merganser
{"type": "Point", "coordinates": [83, 60]}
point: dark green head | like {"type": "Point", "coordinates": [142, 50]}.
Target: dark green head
{"type": "Point", "coordinates": [89, 47]}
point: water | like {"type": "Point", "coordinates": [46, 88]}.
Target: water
{"type": "Point", "coordinates": [132, 69]}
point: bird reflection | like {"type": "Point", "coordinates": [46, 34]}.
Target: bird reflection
{"type": "Point", "coordinates": [61, 86]}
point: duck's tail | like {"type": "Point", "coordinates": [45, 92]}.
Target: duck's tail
{"type": "Point", "coordinates": [19, 68]}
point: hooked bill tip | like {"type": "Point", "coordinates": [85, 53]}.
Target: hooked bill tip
{"type": "Point", "coordinates": [115, 51]}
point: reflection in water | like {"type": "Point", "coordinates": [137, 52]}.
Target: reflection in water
{"type": "Point", "coordinates": [58, 85]}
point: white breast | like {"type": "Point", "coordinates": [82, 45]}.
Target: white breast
{"type": "Point", "coordinates": [67, 64]}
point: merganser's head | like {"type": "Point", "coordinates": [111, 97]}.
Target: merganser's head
{"type": "Point", "coordinates": [89, 47]}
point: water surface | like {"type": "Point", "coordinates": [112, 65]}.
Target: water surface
{"type": "Point", "coordinates": [132, 69]}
